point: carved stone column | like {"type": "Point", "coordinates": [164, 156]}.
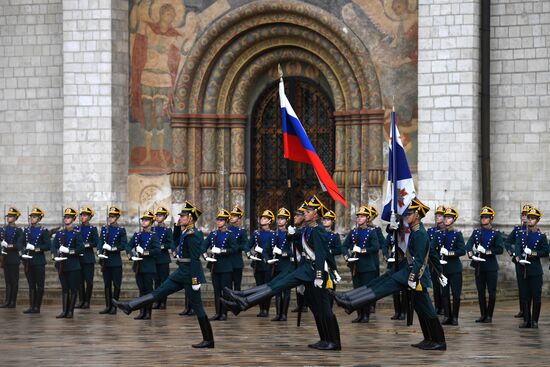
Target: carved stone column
{"type": "Point", "coordinates": [339, 175]}
{"type": "Point", "coordinates": [237, 175]}
{"type": "Point", "coordinates": [375, 173]}
{"type": "Point", "coordinates": [178, 177]}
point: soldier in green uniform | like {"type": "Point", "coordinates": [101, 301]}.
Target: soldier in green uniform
{"type": "Point", "coordinates": [281, 264]}
{"type": "Point", "coordinates": [451, 245]}
{"type": "Point", "coordinates": [260, 251]}
{"type": "Point", "coordinates": [143, 250]}
{"type": "Point", "coordinates": [334, 247]}
{"type": "Point", "coordinates": [439, 225]}
{"type": "Point", "coordinates": [12, 245]}
{"type": "Point", "coordinates": [242, 240]}
{"type": "Point", "coordinates": [510, 245]}
{"type": "Point", "coordinates": [162, 260]}
{"type": "Point", "coordinates": [220, 245]}
{"type": "Point", "coordinates": [482, 247]}
{"type": "Point", "coordinates": [381, 241]}
{"type": "Point", "coordinates": [413, 275]}
{"type": "Point", "coordinates": [90, 238]}
{"type": "Point", "coordinates": [66, 250]}
{"type": "Point", "coordinates": [360, 248]}
{"type": "Point", "coordinates": [188, 276]}
{"type": "Point", "coordinates": [113, 240]}
{"type": "Point", "coordinates": [531, 245]}
{"type": "Point", "coordinates": [38, 241]}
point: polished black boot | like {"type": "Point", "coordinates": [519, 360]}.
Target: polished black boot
{"type": "Point", "coordinates": [148, 312]}
{"type": "Point", "coordinates": [244, 303]}
{"type": "Point", "coordinates": [322, 333]}
{"type": "Point", "coordinates": [87, 296]}
{"type": "Point", "coordinates": [425, 333]}
{"type": "Point", "coordinates": [116, 296]}
{"type": "Point", "coordinates": [330, 324]}
{"type": "Point", "coordinates": [38, 300]}
{"type": "Point", "coordinates": [217, 303]}
{"type": "Point", "coordinates": [65, 301]}
{"type": "Point", "coordinates": [366, 315]}
{"type": "Point", "coordinates": [72, 304]}
{"type": "Point", "coordinates": [437, 335]}
{"type": "Point", "coordinates": [137, 303]}
{"type": "Point", "coordinates": [456, 310]}
{"type": "Point", "coordinates": [162, 304]}
{"type": "Point", "coordinates": [141, 314]}
{"type": "Point", "coordinates": [223, 312]}
{"type": "Point", "coordinates": [482, 307]}
{"type": "Point", "coordinates": [32, 296]}
{"type": "Point", "coordinates": [13, 298]}
{"type": "Point", "coordinates": [285, 303]}
{"type": "Point", "coordinates": [81, 295]}
{"type": "Point", "coordinates": [356, 301]}
{"type": "Point", "coordinates": [187, 309]}
{"type": "Point", "coordinates": [229, 293]}
{"type": "Point", "coordinates": [360, 314]}
{"type": "Point", "coordinates": [526, 316]}
{"type": "Point", "coordinates": [520, 313]}
{"type": "Point", "coordinates": [7, 297]}
{"type": "Point", "coordinates": [490, 310]}
{"type": "Point", "coordinates": [448, 312]}
{"type": "Point", "coordinates": [207, 334]}
{"type": "Point", "coordinates": [277, 308]}
{"type": "Point", "coordinates": [108, 305]}
{"type": "Point", "coordinates": [536, 314]}
{"type": "Point", "coordinates": [396, 306]}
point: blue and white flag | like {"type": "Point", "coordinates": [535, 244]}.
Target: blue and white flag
{"type": "Point", "coordinates": [400, 190]}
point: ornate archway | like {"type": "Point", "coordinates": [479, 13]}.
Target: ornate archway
{"type": "Point", "coordinates": [232, 61]}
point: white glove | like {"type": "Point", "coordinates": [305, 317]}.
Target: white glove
{"type": "Point", "coordinates": [258, 249]}
{"type": "Point", "coordinates": [444, 251]}
{"type": "Point", "coordinates": [216, 250]}
{"type": "Point", "coordinates": [211, 259]}
{"type": "Point", "coordinates": [318, 282]}
{"type": "Point", "coordinates": [29, 247]}
{"type": "Point", "coordinates": [527, 251]}
{"type": "Point", "coordinates": [252, 257]}
{"type": "Point", "coordinates": [59, 258]}
{"type": "Point", "coordinates": [107, 247]}
{"type": "Point", "coordinates": [394, 224]}
{"type": "Point", "coordinates": [443, 280]}
{"type": "Point", "coordinates": [291, 230]}
{"type": "Point", "coordinates": [337, 276]}
{"type": "Point", "coordinates": [64, 250]}
{"type": "Point", "coordinates": [5, 244]}
{"type": "Point", "coordinates": [356, 249]}
{"type": "Point", "coordinates": [277, 251]}
{"type": "Point", "coordinates": [352, 259]}
{"type": "Point", "coordinates": [135, 258]}
{"type": "Point", "coordinates": [196, 287]}
{"type": "Point", "coordinates": [481, 249]}
{"type": "Point", "coordinates": [272, 261]}
{"type": "Point", "coordinates": [412, 284]}
{"type": "Point", "coordinates": [139, 250]}
{"type": "Point", "coordinates": [301, 289]}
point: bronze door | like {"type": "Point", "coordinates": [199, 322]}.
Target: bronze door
{"type": "Point", "coordinates": [269, 168]}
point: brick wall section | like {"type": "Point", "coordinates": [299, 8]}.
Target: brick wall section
{"type": "Point", "coordinates": [520, 106]}
{"type": "Point", "coordinates": [31, 105]}
{"type": "Point", "coordinates": [448, 104]}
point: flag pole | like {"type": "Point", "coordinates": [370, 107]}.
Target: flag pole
{"type": "Point", "coordinates": [288, 162]}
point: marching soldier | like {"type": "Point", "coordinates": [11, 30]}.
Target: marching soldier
{"type": "Point", "coordinates": [112, 241]}
{"type": "Point", "coordinates": [66, 250]}
{"type": "Point", "coordinates": [297, 242]}
{"type": "Point", "coordinates": [483, 246]}
{"type": "Point", "coordinates": [12, 244]}
{"type": "Point", "coordinates": [381, 241]}
{"type": "Point", "coordinates": [531, 245]}
{"type": "Point", "coordinates": [166, 240]}
{"type": "Point", "coordinates": [334, 246]}
{"type": "Point", "coordinates": [90, 238]}
{"type": "Point", "coordinates": [143, 250]}
{"type": "Point", "coordinates": [309, 275]}
{"type": "Point", "coordinates": [439, 225]}
{"type": "Point", "coordinates": [282, 252]}
{"type": "Point", "coordinates": [413, 276]}
{"type": "Point", "coordinates": [220, 245]}
{"type": "Point", "coordinates": [188, 276]}
{"type": "Point", "coordinates": [510, 245]}
{"type": "Point", "coordinates": [242, 240]}
{"type": "Point", "coordinates": [259, 250]}
{"type": "Point", "coordinates": [451, 245]}
{"type": "Point", "coordinates": [360, 247]}
{"type": "Point", "coordinates": [38, 241]}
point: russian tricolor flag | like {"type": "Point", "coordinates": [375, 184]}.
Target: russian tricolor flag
{"type": "Point", "coordinates": [298, 146]}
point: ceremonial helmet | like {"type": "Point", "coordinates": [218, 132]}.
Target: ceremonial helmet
{"type": "Point", "coordinates": [162, 211]}
{"type": "Point", "coordinates": [534, 212]}
{"type": "Point", "coordinates": [38, 212]}
{"type": "Point", "coordinates": [283, 212]}
{"type": "Point", "coordinates": [487, 211]}
{"type": "Point", "coordinates": [418, 206]}
{"type": "Point", "coordinates": [526, 208]}
{"type": "Point", "coordinates": [115, 211]}
{"type": "Point", "coordinates": [364, 210]}
{"type": "Point", "coordinates": [301, 209]}
{"type": "Point", "coordinates": [330, 214]}
{"type": "Point", "coordinates": [315, 204]}
{"type": "Point", "coordinates": [13, 212]}
{"type": "Point", "coordinates": [190, 209]}
{"type": "Point", "coordinates": [148, 215]}
{"type": "Point", "coordinates": [70, 212]}
{"type": "Point", "coordinates": [373, 211]}
{"type": "Point", "coordinates": [440, 209]}
{"type": "Point", "coordinates": [223, 214]}
{"type": "Point", "coordinates": [451, 212]}
{"type": "Point", "coordinates": [87, 210]}
{"type": "Point", "coordinates": [268, 214]}
{"type": "Point", "coordinates": [237, 211]}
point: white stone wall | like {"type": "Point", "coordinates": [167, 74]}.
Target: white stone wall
{"type": "Point", "coordinates": [31, 105]}
{"type": "Point", "coordinates": [448, 105]}
{"type": "Point", "coordinates": [520, 107]}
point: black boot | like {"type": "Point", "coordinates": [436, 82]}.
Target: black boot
{"type": "Point", "coordinates": [148, 312]}
{"type": "Point", "coordinates": [186, 309]}
{"type": "Point", "coordinates": [372, 308]}
{"type": "Point", "coordinates": [229, 294]}
{"type": "Point", "coordinates": [520, 313]}
{"type": "Point", "coordinates": [330, 324]}
{"type": "Point", "coordinates": [267, 306]}
{"type": "Point", "coordinates": [7, 297]}
{"type": "Point", "coordinates": [128, 307]}
{"type": "Point", "coordinates": [456, 310]}
{"type": "Point", "coordinates": [490, 310]}
{"type": "Point", "coordinates": [396, 306]}
{"type": "Point", "coordinates": [536, 314]}
{"type": "Point", "coordinates": [141, 314]}
{"type": "Point", "coordinates": [32, 296]}
{"type": "Point", "coordinates": [162, 304]}
{"type": "Point", "coordinates": [360, 314]}
{"type": "Point", "coordinates": [87, 296]}
{"type": "Point", "coordinates": [217, 303]}
{"type": "Point", "coordinates": [356, 300]}
{"type": "Point", "coordinates": [437, 335]}
{"type": "Point", "coordinates": [482, 307]}
{"type": "Point", "coordinates": [207, 334]}
{"type": "Point", "coordinates": [81, 295]}
{"type": "Point", "coordinates": [322, 333]}
{"type": "Point", "coordinates": [244, 303]}
{"type": "Point", "coordinates": [72, 304]}
{"type": "Point", "coordinates": [526, 316]}
{"type": "Point", "coordinates": [285, 303]}
{"type": "Point", "coordinates": [223, 312]}
{"type": "Point", "coordinates": [65, 301]}
{"type": "Point", "coordinates": [278, 299]}
{"type": "Point", "coordinates": [448, 313]}
{"type": "Point", "coordinates": [116, 296]}
{"type": "Point", "coordinates": [425, 333]}
{"type": "Point", "coordinates": [366, 314]}
{"type": "Point", "coordinates": [108, 297]}
{"type": "Point", "coordinates": [437, 299]}
{"type": "Point", "coordinates": [38, 300]}
{"type": "Point", "coordinates": [13, 298]}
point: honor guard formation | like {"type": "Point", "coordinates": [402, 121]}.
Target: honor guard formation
{"type": "Point", "coordinates": [287, 251]}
